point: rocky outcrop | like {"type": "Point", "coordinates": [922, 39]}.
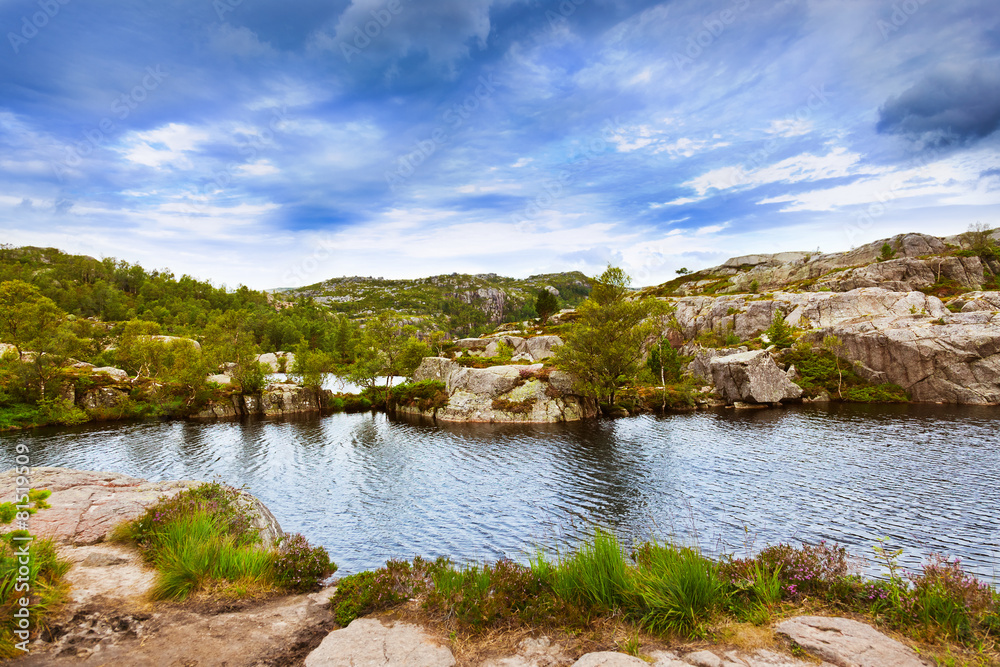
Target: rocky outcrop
{"type": "Point", "coordinates": [972, 302]}
{"type": "Point", "coordinates": [701, 366]}
{"type": "Point", "coordinates": [752, 377]}
{"type": "Point", "coordinates": [747, 315]}
{"type": "Point", "coordinates": [167, 340]}
{"type": "Point", "coordinates": [954, 358]}
{"type": "Point", "coordinates": [505, 393]}
{"type": "Point", "coordinates": [277, 399]}
{"type": "Point", "coordinates": [906, 275]}
{"type": "Point", "coordinates": [526, 349]}
{"type": "Point", "coordinates": [491, 300]}
{"type": "Point", "coordinates": [98, 399]}
{"type": "Point", "coordinates": [86, 505]}
{"type": "Point", "coordinates": [848, 643]}
{"type": "Point", "coordinates": [114, 373]}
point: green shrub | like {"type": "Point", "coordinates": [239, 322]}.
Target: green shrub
{"type": "Point", "coordinates": [424, 395]}
{"type": "Point", "coordinates": [368, 592]}
{"type": "Point", "coordinates": [298, 566]}
{"type": "Point", "coordinates": [780, 333]}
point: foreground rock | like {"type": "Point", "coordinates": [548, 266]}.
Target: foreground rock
{"type": "Point", "coordinates": [505, 393]}
{"type": "Point", "coordinates": [848, 643]}
{"type": "Point", "coordinates": [87, 505]}
{"type": "Point", "coordinates": [836, 642]}
{"type": "Point", "coordinates": [369, 643]}
{"type": "Point", "coordinates": [277, 399]}
{"type": "Point", "coordinates": [752, 377]}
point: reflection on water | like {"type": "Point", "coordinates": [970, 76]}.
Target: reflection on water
{"type": "Point", "coordinates": [370, 488]}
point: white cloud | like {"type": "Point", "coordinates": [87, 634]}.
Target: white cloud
{"type": "Point", "coordinates": [804, 167]}
{"type": "Point", "coordinates": [169, 145]}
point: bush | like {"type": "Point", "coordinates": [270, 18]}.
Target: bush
{"type": "Point", "coordinates": [424, 395]}
{"type": "Point", "coordinates": [368, 592]}
{"type": "Point", "coordinates": [780, 333]}
{"type": "Point", "coordinates": [300, 567]}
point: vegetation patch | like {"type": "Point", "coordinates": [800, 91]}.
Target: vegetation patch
{"type": "Point", "coordinates": [424, 395]}
{"type": "Point", "coordinates": [822, 370]}
{"type": "Point", "coordinates": [204, 538]}
{"type": "Point", "coordinates": [674, 591]}
{"type": "Point", "coordinates": [521, 407]}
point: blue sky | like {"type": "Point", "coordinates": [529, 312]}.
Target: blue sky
{"type": "Point", "coordinates": [277, 144]}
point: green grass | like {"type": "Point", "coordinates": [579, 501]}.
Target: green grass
{"type": "Point", "coordinates": [204, 538]}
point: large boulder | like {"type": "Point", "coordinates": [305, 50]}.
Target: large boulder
{"type": "Point", "coordinates": [167, 340]}
{"type": "Point", "coordinates": [86, 505]}
{"type": "Point", "coordinates": [366, 642]}
{"type": "Point", "coordinates": [848, 643]}
{"type": "Point", "coordinates": [543, 347]}
{"type": "Point", "coordinates": [97, 399]}
{"type": "Point", "coordinates": [701, 366]}
{"type": "Point", "coordinates": [752, 377]}
{"type": "Point", "coordinates": [278, 362]}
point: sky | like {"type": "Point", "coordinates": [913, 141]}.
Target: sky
{"type": "Point", "coordinates": [282, 143]}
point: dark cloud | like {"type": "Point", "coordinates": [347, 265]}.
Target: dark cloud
{"type": "Point", "coordinates": [949, 106]}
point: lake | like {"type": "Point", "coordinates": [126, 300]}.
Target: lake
{"type": "Point", "coordinates": [369, 488]}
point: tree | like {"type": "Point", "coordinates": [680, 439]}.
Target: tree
{"type": "Point", "coordinates": [30, 321]}
{"type": "Point", "coordinates": [886, 253]}
{"type": "Point", "coordinates": [380, 350]}
{"type": "Point", "coordinates": [683, 271]}
{"type": "Point", "coordinates": [545, 304]}
{"type": "Point", "coordinates": [979, 238]}
{"type": "Point", "coordinates": [136, 351]}
{"type": "Point", "coordinates": [310, 367]}
{"type": "Point", "coordinates": [604, 347]}
{"type": "Point", "coordinates": [779, 333]}
{"type": "Point", "coordinates": [230, 339]}
{"type": "Point", "coordinates": [835, 347]}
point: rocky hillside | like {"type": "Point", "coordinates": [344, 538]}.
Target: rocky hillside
{"type": "Point", "coordinates": [942, 266]}
{"type": "Point", "coordinates": [914, 310]}
{"type": "Point", "coordinates": [456, 303]}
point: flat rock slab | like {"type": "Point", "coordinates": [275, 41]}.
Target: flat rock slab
{"type": "Point", "coordinates": [847, 643]}
{"type": "Point", "coordinates": [609, 659]}
{"type": "Point", "coordinates": [369, 643]}
{"type": "Point", "coordinates": [87, 504]}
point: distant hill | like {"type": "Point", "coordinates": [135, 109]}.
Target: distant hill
{"type": "Point", "coordinates": [456, 303]}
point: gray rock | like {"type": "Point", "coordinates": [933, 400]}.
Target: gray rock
{"type": "Point", "coordinates": [608, 659]}
{"type": "Point", "coordinates": [848, 643]}
{"type": "Point", "coordinates": [472, 392]}
{"type": "Point", "coordinates": [700, 366]}
{"type": "Point", "coordinates": [980, 301]}
{"type": "Point", "coordinates": [116, 373]}
{"type": "Point", "coordinates": [273, 361]}
{"type": "Point", "coordinates": [103, 559]}
{"type": "Point", "coordinates": [542, 347]}
{"type": "Point", "coordinates": [167, 340]}
{"type": "Point", "coordinates": [101, 398]}
{"type": "Point", "coordinates": [369, 643]}
{"type": "Point", "coordinates": [703, 659]}
{"type": "Point", "coordinates": [219, 378]}
{"type": "Point", "coordinates": [752, 377]}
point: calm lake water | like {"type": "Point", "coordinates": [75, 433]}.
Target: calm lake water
{"type": "Point", "coordinates": [370, 488]}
